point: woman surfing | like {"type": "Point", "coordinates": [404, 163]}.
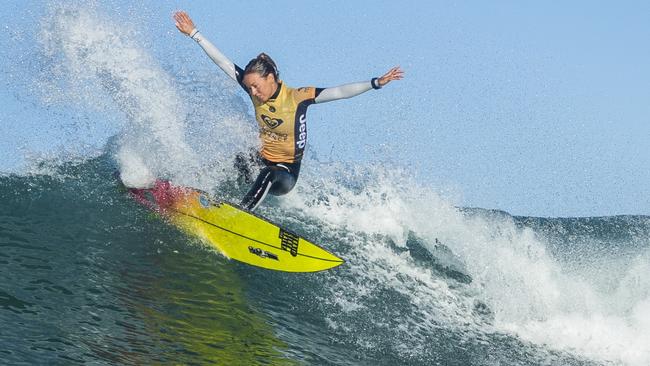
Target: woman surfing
{"type": "Point", "coordinates": [280, 112]}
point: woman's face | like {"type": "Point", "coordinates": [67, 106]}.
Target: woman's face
{"type": "Point", "coordinates": [259, 86]}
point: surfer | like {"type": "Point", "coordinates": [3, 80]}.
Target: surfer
{"type": "Point", "coordinates": [280, 112]}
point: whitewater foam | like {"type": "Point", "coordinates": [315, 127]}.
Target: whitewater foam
{"type": "Point", "coordinates": [101, 64]}
{"type": "Point", "coordinates": [526, 289]}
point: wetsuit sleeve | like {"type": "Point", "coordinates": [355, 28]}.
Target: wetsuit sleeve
{"type": "Point", "coordinates": [235, 72]}
{"type": "Point", "coordinates": [344, 91]}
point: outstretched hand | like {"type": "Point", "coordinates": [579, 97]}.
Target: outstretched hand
{"type": "Point", "coordinates": [183, 22]}
{"type": "Point", "coordinates": [393, 74]}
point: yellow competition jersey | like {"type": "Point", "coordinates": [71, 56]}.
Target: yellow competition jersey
{"type": "Point", "coordinates": [283, 124]}
{"type": "Point", "coordinates": [281, 119]}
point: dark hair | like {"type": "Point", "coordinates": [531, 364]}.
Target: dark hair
{"type": "Point", "coordinates": [263, 65]}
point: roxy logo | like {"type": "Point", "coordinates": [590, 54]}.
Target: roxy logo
{"type": "Point", "coordinates": [271, 122]}
{"type": "Point", "coordinates": [302, 135]}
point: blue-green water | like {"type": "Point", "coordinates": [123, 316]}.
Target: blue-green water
{"type": "Point", "coordinates": [89, 276]}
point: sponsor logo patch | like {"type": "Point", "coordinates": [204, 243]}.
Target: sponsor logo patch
{"type": "Point", "coordinates": [271, 122]}
{"type": "Point", "coordinates": [204, 201]}
{"type": "Point", "coordinates": [262, 253]}
{"type": "Point", "coordinates": [302, 132]}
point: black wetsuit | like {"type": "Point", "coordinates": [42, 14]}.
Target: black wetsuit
{"type": "Point", "coordinates": [274, 178]}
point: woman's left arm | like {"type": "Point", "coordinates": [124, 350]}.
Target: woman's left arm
{"type": "Point", "coordinates": [354, 89]}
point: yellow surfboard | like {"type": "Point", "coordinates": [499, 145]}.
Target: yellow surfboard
{"type": "Point", "coordinates": [235, 232]}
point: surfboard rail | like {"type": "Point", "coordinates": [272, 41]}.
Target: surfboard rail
{"type": "Point", "coordinates": [235, 232]}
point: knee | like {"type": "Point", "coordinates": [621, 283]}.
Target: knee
{"type": "Point", "coordinates": [282, 184]}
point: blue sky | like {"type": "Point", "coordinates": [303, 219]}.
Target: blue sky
{"type": "Point", "coordinates": [533, 108]}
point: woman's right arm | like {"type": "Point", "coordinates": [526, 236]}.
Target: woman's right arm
{"type": "Point", "coordinates": [186, 26]}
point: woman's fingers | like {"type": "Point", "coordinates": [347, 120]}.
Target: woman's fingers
{"type": "Point", "coordinates": [394, 74]}
{"type": "Point", "coordinates": [183, 22]}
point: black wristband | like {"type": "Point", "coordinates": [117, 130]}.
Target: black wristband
{"type": "Point", "coordinates": [375, 83]}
